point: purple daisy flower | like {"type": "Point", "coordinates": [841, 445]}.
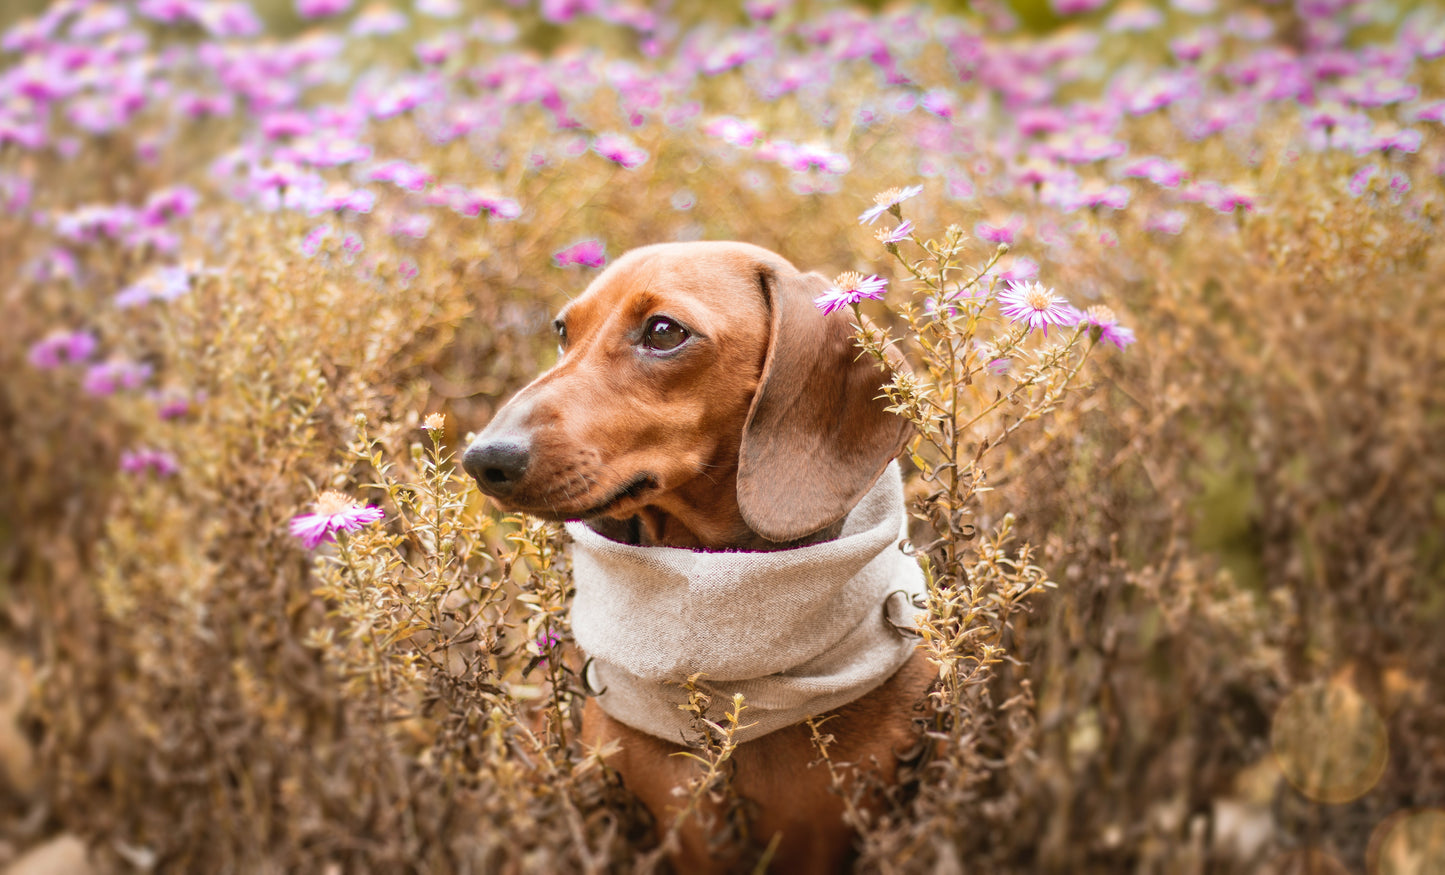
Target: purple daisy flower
{"type": "Point", "coordinates": [173, 405]}
{"type": "Point", "coordinates": [61, 347]}
{"type": "Point", "coordinates": [162, 284]}
{"type": "Point", "coordinates": [733, 130]}
{"type": "Point", "coordinates": [334, 513]}
{"type": "Point", "coordinates": [376, 20]}
{"type": "Point", "coordinates": [415, 225]}
{"type": "Point", "coordinates": [587, 253]}
{"type": "Point", "coordinates": [848, 289]}
{"type": "Point", "coordinates": [1004, 233]}
{"type": "Point", "coordinates": [141, 461]}
{"type": "Point", "coordinates": [495, 206]}
{"type": "Point", "coordinates": [321, 8]}
{"type": "Point", "coordinates": [107, 378]}
{"type": "Point", "coordinates": [620, 150]}
{"type": "Point", "coordinates": [1104, 325]}
{"type": "Point", "coordinates": [1036, 306]}
{"type": "Point", "coordinates": [887, 201]}
{"type": "Point", "coordinates": [1021, 269]}
{"type": "Point", "coordinates": [1168, 222]}
{"type": "Point", "coordinates": [1076, 7]}
{"type": "Point", "coordinates": [897, 235]}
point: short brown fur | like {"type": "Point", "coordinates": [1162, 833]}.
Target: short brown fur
{"type": "Point", "coordinates": [761, 432]}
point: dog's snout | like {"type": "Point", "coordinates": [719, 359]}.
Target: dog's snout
{"type": "Point", "coordinates": [497, 465]}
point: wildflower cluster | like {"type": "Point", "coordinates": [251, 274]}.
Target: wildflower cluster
{"type": "Point", "coordinates": [335, 513]}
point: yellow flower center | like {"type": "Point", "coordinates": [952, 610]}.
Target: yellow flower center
{"type": "Point", "coordinates": [848, 281]}
{"type": "Point", "coordinates": [888, 197]}
{"type": "Point", "coordinates": [1039, 298]}
{"type": "Point", "coordinates": [331, 502]}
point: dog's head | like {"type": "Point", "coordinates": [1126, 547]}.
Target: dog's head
{"type": "Point", "coordinates": [696, 380]}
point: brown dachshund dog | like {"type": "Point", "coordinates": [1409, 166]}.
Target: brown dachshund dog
{"type": "Point", "coordinates": [701, 400]}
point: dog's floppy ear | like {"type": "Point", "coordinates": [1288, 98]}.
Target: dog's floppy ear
{"type": "Point", "coordinates": [819, 432]}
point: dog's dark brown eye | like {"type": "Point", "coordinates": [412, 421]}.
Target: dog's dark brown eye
{"type": "Point", "coordinates": [561, 333]}
{"type": "Point", "coordinates": [663, 334]}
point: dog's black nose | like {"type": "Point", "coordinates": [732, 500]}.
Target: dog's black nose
{"type": "Point", "coordinates": [496, 465]}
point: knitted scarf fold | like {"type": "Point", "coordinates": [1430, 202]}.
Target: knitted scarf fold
{"type": "Point", "coordinates": [798, 632]}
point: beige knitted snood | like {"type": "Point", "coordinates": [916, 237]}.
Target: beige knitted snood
{"type": "Point", "coordinates": [798, 632]}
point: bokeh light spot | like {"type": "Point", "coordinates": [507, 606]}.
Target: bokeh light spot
{"type": "Point", "coordinates": [1408, 843]}
{"type": "Point", "coordinates": [1330, 743]}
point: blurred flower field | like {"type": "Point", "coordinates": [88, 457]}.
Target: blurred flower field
{"type": "Point", "coordinates": [253, 255]}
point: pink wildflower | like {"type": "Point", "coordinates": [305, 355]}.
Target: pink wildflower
{"type": "Point", "coordinates": [1157, 170]}
{"type": "Point", "coordinates": [1168, 222]}
{"type": "Point", "coordinates": [435, 52]}
{"type": "Point", "coordinates": [159, 462]}
{"type": "Point", "coordinates": [1076, 7]}
{"type": "Point", "coordinates": [230, 20]}
{"type": "Point", "coordinates": [285, 123]}
{"type": "Point", "coordinates": [321, 8]}
{"type": "Point", "coordinates": [1360, 181]}
{"type": "Point", "coordinates": [1407, 140]}
{"type": "Point", "coordinates": [887, 202]}
{"type": "Point", "coordinates": [173, 405]}
{"type": "Point", "coordinates": [897, 235]}
{"type": "Point", "coordinates": [1104, 325]}
{"type": "Point", "coordinates": [414, 225]}
{"type": "Point", "coordinates": [98, 21]}
{"type": "Point", "coordinates": [1035, 306]}
{"type": "Point", "coordinates": [439, 8]}
{"type": "Point", "coordinates": [814, 156]}
{"type": "Point", "coordinates": [1093, 194]}
{"type": "Point", "coordinates": [170, 11]}
{"type": "Point", "coordinates": [360, 200]}
{"type": "Point", "coordinates": [198, 106]}
{"type": "Point", "coordinates": [1134, 17]}
{"type": "Point", "coordinates": [61, 347]}
{"type": "Point", "coordinates": [764, 10]}
{"type": "Point", "coordinates": [588, 253]}
{"type": "Point", "coordinates": [1004, 233]}
{"type": "Point", "coordinates": [474, 203]}
{"type": "Point", "coordinates": [311, 243]}
{"type": "Point", "coordinates": [109, 377]}
{"type": "Point", "coordinates": [334, 513]}
{"type": "Point", "coordinates": [620, 150]}
{"type": "Point", "coordinates": [175, 202]}
{"type": "Point", "coordinates": [378, 20]}
{"type": "Point", "coordinates": [938, 101]}
{"type": "Point", "coordinates": [1021, 269]}
{"type": "Point", "coordinates": [734, 131]}
{"type": "Point", "coordinates": [161, 284]}
{"type": "Point", "coordinates": [1431, 112]}
{"type": "Point", "coordinates": [401, 174]}
{"type": "Point", "coordinates": [848, 289]}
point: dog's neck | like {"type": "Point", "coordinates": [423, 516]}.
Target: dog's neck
{"type": "Point", "coordinates": [797, 632]}
{"type": "Point", "coordinates": [701, 515]}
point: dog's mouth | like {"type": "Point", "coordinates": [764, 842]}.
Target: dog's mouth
{"type": "Point", "coordinates": [636, 487]}
{"type": "Point", "coordinates": [633, 488]}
